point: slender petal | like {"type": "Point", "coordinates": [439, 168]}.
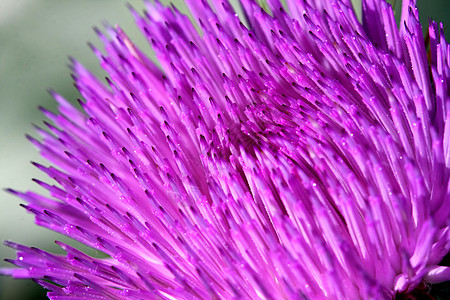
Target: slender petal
{"type": "Point", "coordinates": [288, 153]}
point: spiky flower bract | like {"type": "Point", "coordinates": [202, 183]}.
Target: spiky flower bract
{"type": "Point", "coordinates": [290, 153]}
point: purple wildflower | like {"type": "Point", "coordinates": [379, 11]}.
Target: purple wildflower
{"type": "Point", "coordinates": [298, 155]}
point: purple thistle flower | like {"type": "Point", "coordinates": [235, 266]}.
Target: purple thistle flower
{"type": "Point", "coordinates": [298, 155]}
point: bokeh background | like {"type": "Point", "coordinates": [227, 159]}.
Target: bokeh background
{"type": "Point", "coordinates": [36, 37]}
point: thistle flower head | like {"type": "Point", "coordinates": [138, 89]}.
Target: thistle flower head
{"type": "Point", "coordinates": [292, 152]}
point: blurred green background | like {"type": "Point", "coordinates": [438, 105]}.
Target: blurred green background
{"type": "Point", "coordinates": [36, 36]}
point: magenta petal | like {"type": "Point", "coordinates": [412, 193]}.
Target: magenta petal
{"type": "Point", "coordinates": [288, 153]}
